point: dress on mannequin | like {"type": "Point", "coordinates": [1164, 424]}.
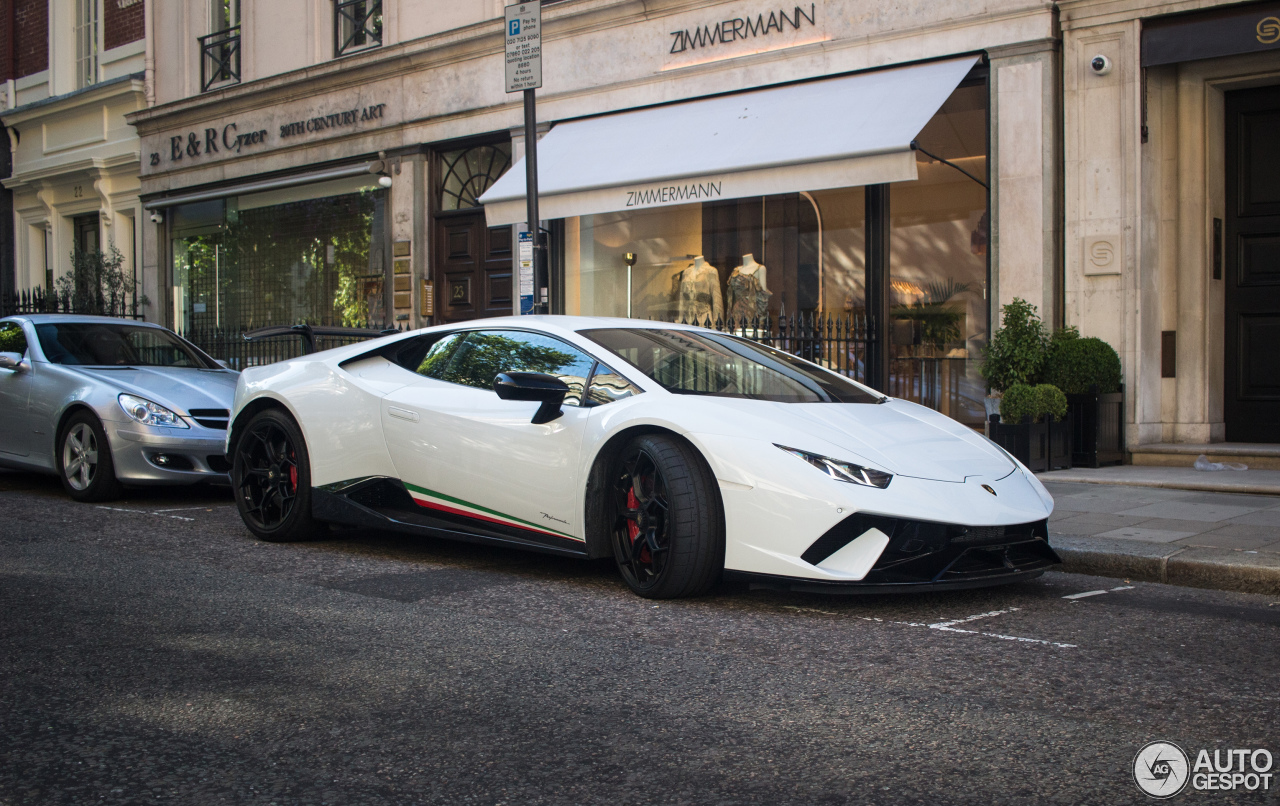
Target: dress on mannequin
{"type": "Point", "coordinates": [700, 298]}
{"type": "Point", "coordinates": [747, 292]}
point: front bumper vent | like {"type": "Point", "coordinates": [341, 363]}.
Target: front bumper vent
{"type": "Point", "coordinates": [928, 551]}
{"type": "Point", "coordinates": [211, 418]}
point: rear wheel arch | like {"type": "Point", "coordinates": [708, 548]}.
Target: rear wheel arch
{"type": "Point", "coordinates": [596, 526]}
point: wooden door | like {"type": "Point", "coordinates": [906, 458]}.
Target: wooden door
{"type": "Point", "coordinates": [473, 268]}
{"type": "Point", "coordinates": [1252, 268]}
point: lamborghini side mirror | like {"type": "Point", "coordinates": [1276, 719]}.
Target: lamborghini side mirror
{"type": "Point", "coordinates": [548, 390]}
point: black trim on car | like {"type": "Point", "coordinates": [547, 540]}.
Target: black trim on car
{"type": "Point", "coordinates": [382, 502]}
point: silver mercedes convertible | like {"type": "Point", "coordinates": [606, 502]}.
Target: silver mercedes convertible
{"type": "Point", "coordinates": [107, 402]}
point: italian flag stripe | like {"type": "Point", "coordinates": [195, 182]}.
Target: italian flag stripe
{"type": "Point", "coordinates": [423, 497]}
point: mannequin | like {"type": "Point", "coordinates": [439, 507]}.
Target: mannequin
{"type": "Point", "coordinates": [699, 297]}
{"type": "Point", "coordinates": [748, 294]}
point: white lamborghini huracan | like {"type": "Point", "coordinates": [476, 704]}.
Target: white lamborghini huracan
{"type": "Point", "coordinates": [685, 454]}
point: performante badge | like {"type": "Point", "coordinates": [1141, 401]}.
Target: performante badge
{"type": "Point", "coordinates": [989, 488]}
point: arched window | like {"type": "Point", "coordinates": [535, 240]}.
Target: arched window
{"type": "Point", "coordinates": [469, 172]}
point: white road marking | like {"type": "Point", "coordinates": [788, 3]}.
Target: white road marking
{"type": "Point", "coordinates": [188, 509]}
{"type": "Point", "coordinates": [809, 610]}
{"type": "Point", "coordinates": [1123, 588]}
{"type": "Point", "coordinates": [144, 512]}
{"type": "Point", "coordinates": [1082, 595]}
{"type": "Point", "coordinates": [942, 625]}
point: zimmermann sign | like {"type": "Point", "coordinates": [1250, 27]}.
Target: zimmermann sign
{"type": "Point", "coordinates": [725, 32]}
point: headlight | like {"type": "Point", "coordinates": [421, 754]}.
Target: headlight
{"type": "Point", "coordinates": [148, 413]}
{"type": "Point", "coordinates": [843, 471]}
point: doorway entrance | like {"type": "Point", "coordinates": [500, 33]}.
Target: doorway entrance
{"type": "Point", "coordinates": [472, 261]}
{"type": "Point", "coordinates": [473, 268]}
{"type": "Point", "coordinates": [1251, 377]}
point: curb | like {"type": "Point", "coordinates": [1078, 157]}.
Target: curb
{"type": "Point", "coordinates": [1196, 567]}
{"type": "Point", "coordinates": [1190, 486]}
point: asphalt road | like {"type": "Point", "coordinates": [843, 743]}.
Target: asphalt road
{"type": "Point", "coordinates": [153, 652]}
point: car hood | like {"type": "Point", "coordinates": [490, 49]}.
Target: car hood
{"type": "Point", "coordinates": [900, 437]}
{"type": "Point", "coordinates": [180, 389]}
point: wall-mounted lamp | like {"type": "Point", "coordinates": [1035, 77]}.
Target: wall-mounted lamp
{"type": "Point", "coordinates": [384, 181]}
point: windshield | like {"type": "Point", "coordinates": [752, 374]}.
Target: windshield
{"type": "Point", "coordinates": [116, 344]}
{"type": "Point", "coordinates": [701, 363]}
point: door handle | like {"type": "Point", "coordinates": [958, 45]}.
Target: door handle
{"type": "Point", "coordinates": [402, 414]}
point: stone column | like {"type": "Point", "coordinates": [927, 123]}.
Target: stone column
{"type": "Point", "coordinates": [1026, 234]}
{"type": "Point", "coordinates": [1103, 293]}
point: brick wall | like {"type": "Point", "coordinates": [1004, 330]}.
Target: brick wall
{"type": "Point", "coordinates": [31, 40]}
{"type": "Point", "coordinates": [122, 22]}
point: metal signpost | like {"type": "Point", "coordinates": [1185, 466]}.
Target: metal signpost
{"type": "Point", "coordinates": [524, 74]}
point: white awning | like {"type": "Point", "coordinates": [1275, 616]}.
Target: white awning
{"type": "Point", "coordinates": [836, 132]}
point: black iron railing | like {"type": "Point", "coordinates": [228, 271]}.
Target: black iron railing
{"type": "Point", "coordinates": [838, 343]}
{"type": "Point", "coordinates": [37, 300]}
{"type": "Point", "coordinates": [267, 345]}
{"type": "Point", "coordinates": [220, 58]}
{"type": "Point", "coordinates": [357, 24]}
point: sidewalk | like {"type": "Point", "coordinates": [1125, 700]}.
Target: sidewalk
{"type": "Point", "coordinates": [1128, 523]}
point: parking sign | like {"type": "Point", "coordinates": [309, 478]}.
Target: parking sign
{"type": "Point", "coordinates": [524, 46]}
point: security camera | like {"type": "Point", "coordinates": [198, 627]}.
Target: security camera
{"type": "Point", "coordinates": [384, 181]}
{"type": "Point", "coordinates": [1100, 65]}
{"type": "Point", "coordinates": [157, 218]}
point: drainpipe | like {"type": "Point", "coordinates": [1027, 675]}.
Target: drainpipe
{"type": "Point", "coordinates": [149, 60]}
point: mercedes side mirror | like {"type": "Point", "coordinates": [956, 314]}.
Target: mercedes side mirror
{"type": "Point", "coordinates": [545, 389]}
{"type": "Point", "coordinates": [13, 361]}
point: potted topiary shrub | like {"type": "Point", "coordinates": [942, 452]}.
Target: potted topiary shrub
{"type": "Point", "coordinates": [1016, 353]}
{"type": "Point", "coordinates": [1088, 371]}
{"type": "Point", "coordinates": [1034, 426]}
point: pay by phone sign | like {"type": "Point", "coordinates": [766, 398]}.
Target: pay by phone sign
{"type": "Point", "coordinates": [524, 46]}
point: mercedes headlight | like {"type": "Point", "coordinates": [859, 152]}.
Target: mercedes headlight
{"type": "Point", "coordinates": [148, 413]}
{"type": "Point", "coordinates": [843, 471]}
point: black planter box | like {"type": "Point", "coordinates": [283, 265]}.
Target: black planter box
{"type": "Point", "coordinates": [1039, 446]}
{"type": "Point", "coordinates": [1098, 435]}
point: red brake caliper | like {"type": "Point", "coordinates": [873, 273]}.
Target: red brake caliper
{"type": "Point", "coordinates": [633, 527]}
{"type": "Point", "coordinates": [293, 474]}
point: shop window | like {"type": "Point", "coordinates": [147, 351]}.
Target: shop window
{"type": "Point", "coordinates": [357, 25]}
{"type": "Point", "coordinates": [792, 270]}
{"type": "Point", "coordinates": [467, 173]}
{"type": "Point", "coordinates": [938, 229]}
{"type": "Point", "coordinates": [220, 50]}
{"type": "Point", "coordinates": [313, 254]}
{"type": "Point", "coordinates": [86, 37]}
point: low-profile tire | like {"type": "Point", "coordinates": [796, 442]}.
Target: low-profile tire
{"type": "Point", "coordinates": [667, 524]}
{"type": "Point", "coordinates": [271, 479]}
{"type": "Point", "coordinates": [84, 460]}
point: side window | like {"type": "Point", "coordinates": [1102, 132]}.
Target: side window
{"type": "Point", "coordinates": [12, 339]}
{"type": "Point", "coordinates": [476, 358]}
{"type": "Point", "coordinates": [608, 386]}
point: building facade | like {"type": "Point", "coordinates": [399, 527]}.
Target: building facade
{"type": "Point", "coordinates": [73, 70]}
{"type": "Point", "coordinates": [911, 167]}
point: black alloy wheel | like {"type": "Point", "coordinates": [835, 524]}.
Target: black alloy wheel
{"type": "Point", "coordinates": [668, 535]}
{"type": "Point", "coordinates": [84, 460]}
{"type": "Point", "coordinates": [271, 476]}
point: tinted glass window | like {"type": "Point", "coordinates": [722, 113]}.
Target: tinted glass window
{"type": "Point", "coordinates": [12, 339]}
{"type": "Point", "coordinates": [608, 386]}
{"type": "Point", "coordinates": [475, 358]}
{"type": "Point", "coordinates": [702, 363]}
{"type": "Point", "coordinates": [112, 344]}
